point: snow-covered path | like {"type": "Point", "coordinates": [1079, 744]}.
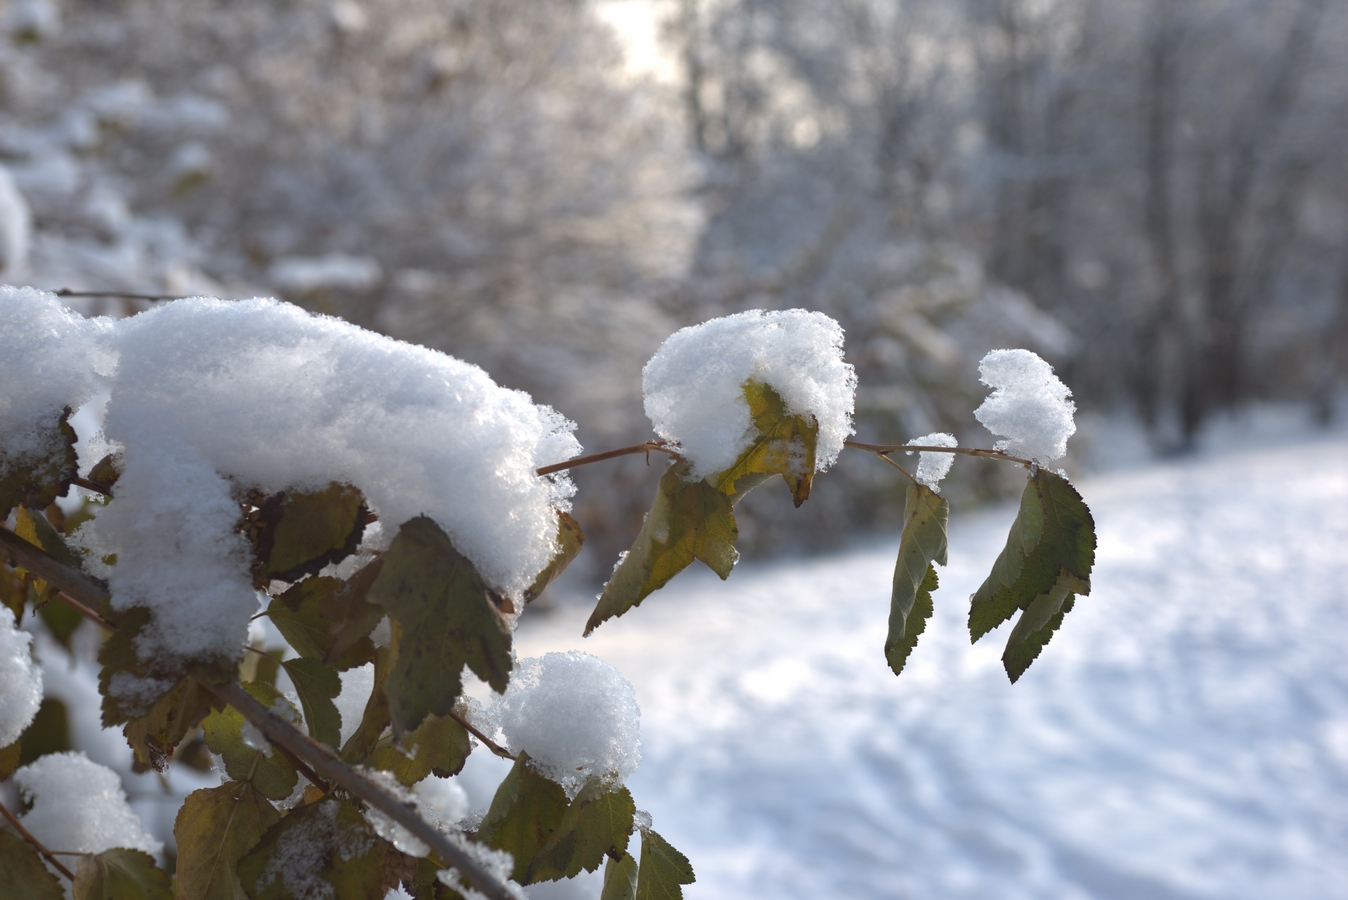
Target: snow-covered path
{"type": "Point", "coordinates": [1185, 735]}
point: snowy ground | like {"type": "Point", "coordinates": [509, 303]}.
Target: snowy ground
{"type": "Point", "coordinates": [1184, 736]}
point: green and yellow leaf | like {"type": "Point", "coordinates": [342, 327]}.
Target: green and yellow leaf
{"type": "Point", "coordinates": [922, 544]}
{"type": "Point", "coordinates": [37, 482]}
{"type": "Point", "coordinates": [215, 828]}
{"type": "Point", "coordinates": [23, 873]}
{"type": "Point", "coordinates": [440, 746]}
{"type": "Point", "coordinates": [662, 869]}
{"type": "Point", "coordinates": [264, 768]}
{"type": "Point", "coordinates": [297, 534]}
{"type": "Point", "coordinates": [783, 444]}
{"type": "Point", "coordinates": [570, 540]}
{"type": "Point", "coordinates": [597, 823]}
{"type": "Point", "coordinates": [323, 849]}
{"type": "Point", "coordinates": [328, 619]}
{"type": "Point", "coordinates": [317, 685]}
{"type": "Point", "coordinates": [620, 878]}
{"type": "Point", "coordinates": [523, 815]}
{"type": "Point", "coordinates": [120, 874]}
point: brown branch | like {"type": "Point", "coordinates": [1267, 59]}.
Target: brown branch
{"type": "Point", "coordinates": [154, 298]}
{"type": "Point", "coordinates": [486, 741]}
{"type": "Point", "coordinates": [94, 486]}
{"type": "Point", "coordinates": [75, 588]}
{"type": "Point", "coordinates": [36, 844]}
{"type": "Point", "coordinates": [644, 447]}
{"type": "Point", "coordinates": [884, 449]}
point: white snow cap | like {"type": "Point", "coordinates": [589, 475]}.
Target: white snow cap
{"type": "Point", "coordinates": [20, 681]}
{"type": "Point", "coordinates": [932, 467]}
{"type": "Point", "coordinates": [575, 715]}
{"type": "Point", "coordinates": [1029, 405]}
{"type": "Point", "coordinates": [694, 385]}
{"type": "Point", "coordinates": [79, 806]}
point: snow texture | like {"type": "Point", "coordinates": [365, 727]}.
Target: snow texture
{"type": "Point", "coordinates": [576, 717]}
{"type": "Point", "coordinates": [20, 681]}
{"type": "Point", "coordinates": [694, 385]}
{"type": "Point", "coordinates": [932, 467]}
{"type": "Point", "coordinates": [1184, 736]}
{"type": "Point", "coordinates": [301, 854]}
{"type": "Point", "coordinates": [357, 684]}
{"type": "Point", "coordinates": [49, 358]}
{"type": "Point", "coordinates": [212, 396]}
{"type": "Point", "coordinates": [390, 830]}
{"type": "Point", "coordinates": [499, 863]}
{"type": "Point", "coordinates": [1029, 406]}
{"type": "Point", "coordinates": [78, 806]}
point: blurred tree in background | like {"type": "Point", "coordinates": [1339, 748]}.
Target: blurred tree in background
{"type": "Point", "coordinates": [1151, 195]}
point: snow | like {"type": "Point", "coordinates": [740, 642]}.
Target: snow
{"type": "Point", "coordinates": [932, 467]}
{"type": "Point", "coordinates": [357, 685]}
{"type": "Point", "coordinates": [1185, 735]}
{"type": "Point", "coordinates": [301, 854]}
{"type": "Point", "coordinates": [16, 227]}
{"type": "Point", "coordinates": [78, 806]}
{"type": "Point", "coordinates": [576, 717]}
{"type": "Point", "coordinates": [694, 385]}
{"type": "Point", "coordinates": [385, 826]}
{"type": "Point", "coordinates": [1029, 406]}
{"type": "Point", "coordinates": [334, 271]}
{"type": "Point", "coordinates": [20, 681]}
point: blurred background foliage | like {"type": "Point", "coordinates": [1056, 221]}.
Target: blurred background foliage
{"type": "Point", "coordinates": [1152, 195]}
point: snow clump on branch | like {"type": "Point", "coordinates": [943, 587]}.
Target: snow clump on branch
{"type": "Point", "coordinates": [694, 385]}
{"type": "Point", "coordinates": [932, 467]}
{"type": "Point", "coordinates": [78, 806]}
{"type": "Point", "coordinates": [1029, 406]}
{"type": "Point", "coordinates": [20, 681]}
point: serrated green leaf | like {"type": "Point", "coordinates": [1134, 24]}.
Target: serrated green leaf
{"type": "Point", "coordinates": [374, 719]}
{"type": "Point", "coordinates": [689, 520]}
{"type": "Point", "coordinates": [23, 873]}
{"type": "Point", "coordinates": [297, 534]}
{"type": "Point", "coordinates": [440, 746]}
{"type": "Point", "coordinates": [328, 619]}
{"type": "Point", "coordinates": [270, 772]}
{"type": "Point", "coordinates": [662, 869]}
{"type": "Point", "coordinates": [120, 874]}
{"type": "Point", "coordinates": [922, 543]}
{"type": "Point", "coordinates": [154, 736]}
{"type": "Point", "coordinates": [36, 482]}
{"type": "Point", "coordinates": [119, 656]}
{"type": "Point", "coordinates": [783, 444]}
{"type": "Point", "coordinates": [324, 849]}
{"type": "Point", "coordinates": [524, 813]}
{"type": "Point", "coordinates": [317, 685]}
{"type": "Point", "coordinates": [570, 540]}
{"type": "Point", "coordinates": [620, 878]}
{"type": "Point", "coordinates": [1053, 536]}
{"type": "Point", "coordinates": [444, 617]}
{"type": "Point", "coordinates": [598, 822]}
{"type": "Point", "coordinates": [214, 829]}
{"type": "Point", "coordinates": [1035, 628]}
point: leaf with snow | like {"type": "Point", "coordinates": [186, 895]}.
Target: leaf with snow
{"type": "Point", "coordinates": [297, 534]}
{"type": "Point", "coordinates": [252, 760]}
{"type": "Point", "coordinates": [37, 482]}
{"type": "Point", "coordinates": [328, 619]}
{"type": "Point", "coordinates": [662, 869]}
{"type": "Point", "coordinates": [782, 444]}
{"type": "Point", "coordinates": [922, 544]}
{"type": "Point", "coordinates": [570, 540]}
{"type": "Point", "coordinates": [323, 850]}
{"type": "Point", "coordinates": [317, 685]}
{"type": "Point", "coordinates": [444, 617]}
{"type": "Point", "coordinates": [598, 823]}
{"type": "Point", "coordinates": [689, 520]}
{"type": "Point", "coordinates": [120, 874]}
{"type": "Point", "coordinates": [154, 736]}
{"type": "Point", "coordinates": [375, 717]}
{"type": "Point", "coordinates": [439, 746]}
{"type": "Point", "coordinates": [25, 876]}
{"type": "Point", "coordinates": [523, 815]}
{"type": "Point", "coordinates": [620, 878]}
{"type": "Point", "coordinates": [214, 829]}
{"type": "Point", "coordinates": [152, 678]}
{"type": "Point", "coordinates": [1047, 559]}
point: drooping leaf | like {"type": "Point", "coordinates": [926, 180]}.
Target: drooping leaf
{"type": "Point", "coordinates": [35, 482]}
{"type": "Point", "coordinates": [922, 544]}
{"type": "Point", "coordinates": [325, 849]}
{"type": "Point", "coordinates": [444, 617]}
{"type": "Point", "coordinates": [214, 829]}
{"type": "Point", "coordinates": [297, 534]}
{"type": "Point", "coordinates": [662, 869]}
{"type": "Point", "coordinates": [155, 735]}
{"type": "Point", "coordinates": [440, 746]}
{"type": "Point", "coordinates": [523, 815]}
{"type": "Point", "coordinates": [328, 619]}
{"type": "Point", "coordinates": [155, 676]}
{"type": "Point", "coordinates": [374, 718]}
{"type": "Point", "coordinates": [570, 539]}
{"type": "Point", "coordinates": [783, 444]}
{"type": "Point", "coordinates": [23, 873]}
{"type": "Point", "coordinates": [689, 520]}
{"type": "Point", "coordinates": [261, 765]}
{"type": "Point", "coordinates": [49, 732]}
{"type": "Point", "coordinates": [1049, 552]}
{"type": "Point", "coordinates": [121, 874]}
{"type": "Point", "coordinates": [598, 822]}
{"type": "Point", "coordinates": [620, 878]}
{"type": "Point", "coordinates": [317, 685]}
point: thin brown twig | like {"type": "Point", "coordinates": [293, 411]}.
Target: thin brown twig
{"type": "Point", "coordinates": [74, 587]}
{"type": "Point", "coordinates": [883, 449]}
{"type": "Point", "coordinates": [486, 741]}
{"type": "Point", "coordinates": [89, 485]}
{"type": "Point", "coordinates": [36, 844]}
{"type": "Point", "coordinates": [908, 474]}
{"type": "Point", "coordinates": [127, 295]}
{"type": "Point", "coordinates": [644, 447]}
